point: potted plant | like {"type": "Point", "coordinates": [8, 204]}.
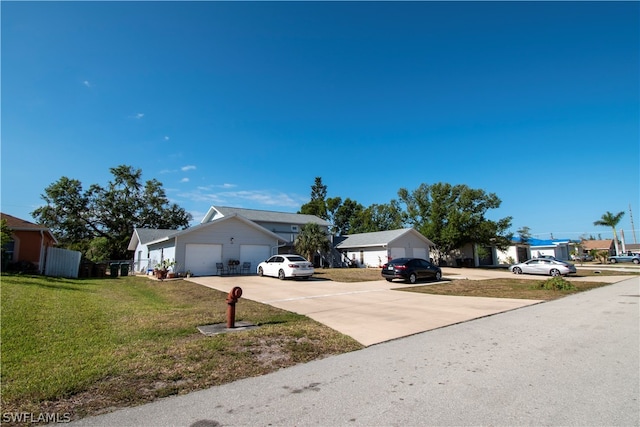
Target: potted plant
{"type": "Point", "coordinates": [163, 269]}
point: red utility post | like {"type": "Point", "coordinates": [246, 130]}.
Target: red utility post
{"type": "Point", "coordinates": [232, 299]}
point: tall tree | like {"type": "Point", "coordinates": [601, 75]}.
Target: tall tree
{"type": "Point", "coordinates": [525, 234]}
{"type": "Point", "coordinates": [311, 240]}
{"type": "Point", "coordinates": [108, 214]}
{"type": "Point", "coordinates": [378, 217]}
{"type": "Point", "coordinates": [317, 205]}
{"type": "Point", "coordinates": [610, 220]}
{"type": "Point", "coordinates": [452, 216]}
{"type": "Point", "coordinates": [346, 217]}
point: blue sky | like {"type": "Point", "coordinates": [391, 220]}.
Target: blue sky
{"type": "Point", "coordinates": [244, 103]}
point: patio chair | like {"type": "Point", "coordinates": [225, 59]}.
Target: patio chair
{"type": "Point", "coordinates": [246, 267]}
{"type": "Point", "coordinates": [220, 270]}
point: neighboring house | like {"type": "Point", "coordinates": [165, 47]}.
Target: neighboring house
{"type": "Point", "coordinates": [375, 249]}
{"type": "Point", "coordinates": [516, 253]}
{"type": "Point", "coordinates": [633, 247]}
{"type": "Point", "coordinates": [599, 245]}
{"type": "Point", "coordinates": [29, 242]}
{"type": "Point", "coordinates": [139, 244]}
{"type": "Point", "coordinates": [559, 248]}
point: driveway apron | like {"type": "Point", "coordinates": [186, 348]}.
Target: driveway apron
{"type": "Point", "coordinates": [370, 312]}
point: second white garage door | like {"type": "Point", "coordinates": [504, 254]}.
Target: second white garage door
{"type": "Point", "coordinates": [201, 259]}
{"type": "Point", "coordinates": [254, 254]}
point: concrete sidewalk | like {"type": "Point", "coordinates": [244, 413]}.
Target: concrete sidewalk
{"type": "Point", "coordinates": [573, 361]}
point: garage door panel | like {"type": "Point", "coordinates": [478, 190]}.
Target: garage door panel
{"type": "Point", "coordinates": [201, 259]}
{"type": "Point", "coordinates": [420, 253]}
{"type": "Point", "coordinates": [397, 253]}
{"type": "Point", "coordinates": [254, 254]}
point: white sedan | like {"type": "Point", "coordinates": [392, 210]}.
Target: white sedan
{"type": "Point", "coordinates": [550, 267]}
{"type": "Point", "coordinates": [283, 266]}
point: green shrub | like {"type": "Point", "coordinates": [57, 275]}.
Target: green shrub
{"type": "Point", "coordinates": [557, 283]}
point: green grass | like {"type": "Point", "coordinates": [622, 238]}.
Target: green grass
{"type": "Point", "coordinates": [82, 346]}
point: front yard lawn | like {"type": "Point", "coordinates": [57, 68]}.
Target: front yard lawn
{"type": "Point", "coordinates": [82, 347]}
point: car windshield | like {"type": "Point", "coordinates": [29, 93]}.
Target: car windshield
{"type": "Point", "coordinates": [295, 258]}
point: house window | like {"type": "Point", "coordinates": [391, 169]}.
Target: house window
{"type": "Point", "coordinates": [7, 250]}
{"type": "Point", "coordinates": [294, 228]}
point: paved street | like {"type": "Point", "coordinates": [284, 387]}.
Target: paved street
{"type": "Point", "coordinates": [572, 361]}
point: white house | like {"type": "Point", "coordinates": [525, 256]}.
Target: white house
{"type": "Point", "coordinates": [224, 234]}
{"type": "Point", "coordinates": [143, 259]}
{"type": "Point", "coordinates": [375, 249]}
{"type": "Point", "coordinates": [231, 238]}
{"type": "Point", "coordinates": [534, 248]}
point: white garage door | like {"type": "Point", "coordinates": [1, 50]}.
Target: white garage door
{"type": "Point", "coordinates": [254, 254]}
{"type": "Point", "coordinates": [420, 253]}
{"type": "Point", "coordinates": [397, 253]}
{"type": "Point", "coordinates": [201, 259]}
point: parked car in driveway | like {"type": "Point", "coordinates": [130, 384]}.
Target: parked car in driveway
{"type": "Point", "coordinates": [582, 257]}
{"type": "Point", "coordinates": [550, 267]}
{"type": "Point", "coordinates": [286, 266]}
{"type": "Point", "coordinates": [626, 257]}
{"type": "Point", "coordinates": [410, 270]}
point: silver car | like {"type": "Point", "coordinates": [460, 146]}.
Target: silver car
{"type": "Point", "coordinates": [549, 267]}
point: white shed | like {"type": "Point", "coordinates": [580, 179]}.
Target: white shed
{"type": "Point", "coordinates": [375, 249]}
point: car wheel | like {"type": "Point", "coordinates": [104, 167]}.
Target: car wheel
{"type": "Point", "coordinates": [636, 261]}
{"type": "Point", "coordinates": [613, 260]}
{"type": "Point", "coordinates": [281, 275]}
{"type": "Point", "coordinates": [517, 270]}
{"type": "Point", "coordinates": [555, 272]}
{"type": "Point", "coordinates": [413, 278]}
{"type": "Point", "coordinates": [260, 272]}
{"type": "Point", "coordinates": [389, 280]}
{"type": "Point", "coordinates": [438, 276]}
{"type": "Point", "coordinates": [305, 277]}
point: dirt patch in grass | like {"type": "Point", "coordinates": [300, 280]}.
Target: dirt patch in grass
{"type": "Point", "coordinates": [501, 288]}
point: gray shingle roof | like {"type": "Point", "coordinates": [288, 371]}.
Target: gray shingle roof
{"type": "Point", "coordinates": [147, 235]}
{"type": "Point", "coordinates": [270, 216]}
{"type": "Point", "coordinates": [378, 238]}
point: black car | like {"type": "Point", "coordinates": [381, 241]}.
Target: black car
{"type": "Point", "coordinates": [411, 270]}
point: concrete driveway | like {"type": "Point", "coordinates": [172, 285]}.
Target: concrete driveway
{"type": "Point", "coordinates": [370, 312]}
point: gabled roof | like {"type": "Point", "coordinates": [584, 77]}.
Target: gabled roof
{"type": "Point", "coordinates": [177, 233]}
{"type": "Point", "coordinates": [597, 244]}
{"type": "Point", "coordinates": [18, 224]}
{"type": "Point", "coordinates": [378, 238]}
{"type": "Point", "coordinates": [146, 235]}
{"type": "Point", "coordinates": [264, 216]}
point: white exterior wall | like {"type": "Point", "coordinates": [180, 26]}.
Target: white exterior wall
{"type": "Point", "coordinates": [222, 234]}
{"type": "Point", "coordinates": [368, 257]}
{"type": "Point", "coordinates": [160, 252]}
{"type": "Point", "coordinates": [502, 256]}
{"type": "Point", "coordinates": [141, 259]}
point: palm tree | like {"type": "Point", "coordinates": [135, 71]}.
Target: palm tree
{"type": "Point", "coordinates": [311, 240]}
{"type": "Point", "coordinates": [611, 220]}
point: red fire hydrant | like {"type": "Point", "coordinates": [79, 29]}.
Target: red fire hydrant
{"type": "Point", "coordinates": [232, 299]}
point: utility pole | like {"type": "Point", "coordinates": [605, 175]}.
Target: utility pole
{"type": "Point", "coordinates": [633, 229]}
